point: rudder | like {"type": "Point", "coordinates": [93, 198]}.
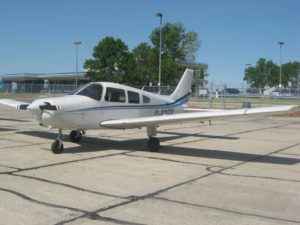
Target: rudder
{"type": "Point", "coordinates": [184, 86]}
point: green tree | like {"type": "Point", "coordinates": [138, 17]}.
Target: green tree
{"type": "Point", "coordinates": [112, 61]}
{"type": "Point", "coordinates": [291, 73]}
{"type": "Point", "coordinates": [265, 73]}
{"type": "Point", "coordinates": [178, 46]}
{"type": "Point", "coordinates": [190, 46]}
{"type": "Point", "coordinates": [172, 37]}
{"type": "Point", "coordinates": [145, 58]}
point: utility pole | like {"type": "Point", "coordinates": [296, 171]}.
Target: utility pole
{"type": "Point", "coordinates": [77, 43]}
{"type": "Point", "coordinates": [160, 15]}
{"type": "Point", "coordinates": [280, 62]}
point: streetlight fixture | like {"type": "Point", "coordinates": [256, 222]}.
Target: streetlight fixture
{"type": "Point", "coordinates": [77, 43]}
{"type": "Point", "coordinates": [280, 46]}
{"type": "Point", "coordinates": [160, 15]}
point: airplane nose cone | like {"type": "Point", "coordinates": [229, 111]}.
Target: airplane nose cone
{"type": "Point", "coordinates": [34, 107]}
{"type": "Point", "coordinates": [43, 116]}
{"type": "Point", "coordinates": [31, 107]}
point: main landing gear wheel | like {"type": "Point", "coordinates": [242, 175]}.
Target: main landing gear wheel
{"type": "Point", "coordinates": [75, 136]}
{"type": "Point", "coordinates": [153, 144]}
{"type": "Point", "coordinates": [57, 147]}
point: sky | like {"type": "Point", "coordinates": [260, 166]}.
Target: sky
{"type": "Point", "coordinates": [37, 36]}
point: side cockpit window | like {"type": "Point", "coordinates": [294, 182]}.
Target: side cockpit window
{"type": "Point", "coordinates": [146, 99]}
{"type": "Point", "coordinates": [133, 97]}
{"type": "Point", "coordinates": [93, 91]}
{"type": "Point", "coordinates": [115, 95]}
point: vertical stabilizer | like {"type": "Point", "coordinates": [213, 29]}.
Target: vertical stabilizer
{"type": "Point", "coordinates": [184, 86]}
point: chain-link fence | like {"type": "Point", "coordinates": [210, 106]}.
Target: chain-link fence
{"type": "Point", "coordinates": [55, 89]}
{"type": "Point", "coordinates": [212, 90]}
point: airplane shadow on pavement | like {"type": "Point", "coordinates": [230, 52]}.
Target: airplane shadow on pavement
{"type": "Point", "coordinates": [94, 144]}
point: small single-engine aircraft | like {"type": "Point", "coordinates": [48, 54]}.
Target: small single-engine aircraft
{"type": "Point", "coordinates": [99, 105]}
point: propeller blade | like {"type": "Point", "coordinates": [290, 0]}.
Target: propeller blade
{"type": "Point", "coordinates": [48, 106]}
{"type": "Point", "coordinates": [22, 106]}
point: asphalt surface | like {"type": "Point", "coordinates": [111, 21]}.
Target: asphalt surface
{"type": "Point", "coordinates": [243, 170]}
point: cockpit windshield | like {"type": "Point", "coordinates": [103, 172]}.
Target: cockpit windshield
{"type": "Point", "coordinates": [78, 89]}
{"type": "Point", "coordinates": [93, 91]}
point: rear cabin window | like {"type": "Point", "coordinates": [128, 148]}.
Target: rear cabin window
{"type": "Point", "coordinates": [146, 99]}
{"type": "Point", "coordinates": [133, 97]}
{"type": "Point", "coordinates": [115, 95]}
{"type": "Point", "coordinates": [93, 91]}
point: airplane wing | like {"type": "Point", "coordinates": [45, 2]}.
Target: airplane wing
{"type": "Point", "coordinates": [13, 103]}
{"type": "Point", "coordinates": [154, 121]}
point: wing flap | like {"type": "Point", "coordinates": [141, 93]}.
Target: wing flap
{"type": "Point", "coordinates": [185, 117]}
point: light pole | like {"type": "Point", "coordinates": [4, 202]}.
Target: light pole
{"type": "Point", "coordinates": [77, 43]}
{"type": "Point", "coordinates": [247, 66]}
{"type": "Point", "coordinates": [160, 15]}
{"type": "Point", "coordinates": [280, 46]}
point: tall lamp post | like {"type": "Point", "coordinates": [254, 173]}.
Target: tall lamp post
{"type": "Point", "coordinates": [280, 46]}
{"type": "Point", "coordinates": [77, 43]}
{"type": "Point", "coordinates": [160, 15]}
{"type": "Point", "coordinates": [247, 66]}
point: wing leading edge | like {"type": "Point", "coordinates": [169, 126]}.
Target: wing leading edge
{"type": "Point", "coordinates": [154, 121]}
{"type": "Point", "coordinates": [13, 103]}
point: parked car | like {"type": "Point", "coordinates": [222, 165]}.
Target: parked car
{"type": "Point", "coordinates": [280, 92]}
{"type": "Point", "coordinates": [252, 92]}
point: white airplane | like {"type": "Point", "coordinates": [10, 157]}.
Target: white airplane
{"type": "Point", "coordinates": [99, 105]}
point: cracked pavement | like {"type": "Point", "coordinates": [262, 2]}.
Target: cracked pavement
{"type": "Point", "coordinates": [241, 170]}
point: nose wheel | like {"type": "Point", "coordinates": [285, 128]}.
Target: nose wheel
{"type": "Point", "coordinates": [57, 146]}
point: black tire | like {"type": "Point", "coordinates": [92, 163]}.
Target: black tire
{"type": "Point", "coordinates": [153, 144]}
{"type": "Point", "coordinates": [57, 147]}
{"type": "Point", "coordinates": [75, 136]}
